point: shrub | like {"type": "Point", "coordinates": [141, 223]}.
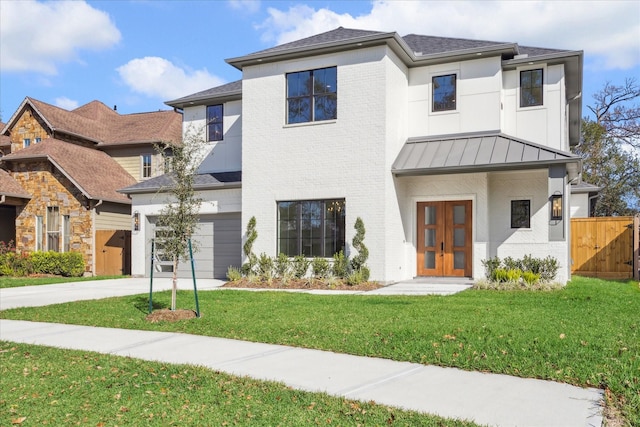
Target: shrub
{"type": "Point", "coordinates": [548, 269]}
{"type": "Point", "coordinates": [530, 278]}
{"type": "Point", "coordinates": [282, 266]}
{"type": "Point", "coordinates": [68, 264]}
{"type": "Point", "coordinates": [233, 274]}
{"type": "Point", "coordinates": [72, 264]}
{"type": "Point", "coordinates": [251, 235]}
{"type": "Point", "coordinates": [300, 266]}
{"type": "Point", "coordinates": [490, 266]}
{"type": "Point", "coordinates": [514, 275]}
{"type": "Point", "coordinates": [320, 268]}
{"type": "Point", "coordinates": [355, 277]}
{"type": "Point", "coordinates": [500, 275]}
{"type": "Point", "coordinates": [340, 266]}
{"type": "Point", "coordinates": [265, 266]}
{"type": "Point", "coordinates": [545, 269]}
{"type": "Point", "coordinates": [360, 259]}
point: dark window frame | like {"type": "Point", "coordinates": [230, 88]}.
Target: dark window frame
{"type": "Point", "coordinates": [531, 88]}
{"type": "Point", "coordinates": [318, 94]}
{"type": "Point", "coordinates": [521, 213]}
{"type": "Point", "coordinates": [439, 94]}
{"type": "Point", "coordinates": [314, 228]}
{"type": "Point", "coordinates": [215, 122]}
{"type": "Point", "coordinates": [146, 167]}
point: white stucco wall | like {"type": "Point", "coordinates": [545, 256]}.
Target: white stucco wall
{"type": "Point", "coordinates": [580, 205]}
{"type": "Point", "coordinates": [215, 201]}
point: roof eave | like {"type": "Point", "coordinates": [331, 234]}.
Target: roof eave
{"type": "Point", "coordinates": [166, 189]}
{"type": "Point", "coordinates": [205, 99]}
{"type": "Point", "coordinates": [18, 112]}
{"type": "Point", "coordinates": [465, 54]}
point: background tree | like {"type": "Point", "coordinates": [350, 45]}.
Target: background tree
{"type": "Point", "coordinates": [610, 148]}
{"type": "Point", "coordinates": [179, 218]}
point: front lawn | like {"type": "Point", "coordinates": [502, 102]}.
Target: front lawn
{"type": "Point", "coordinates": [15, 282]}
{"type": "Point", "coordinates": [587, 334]}
{"type": "Point", "coordinates": [46, 386]}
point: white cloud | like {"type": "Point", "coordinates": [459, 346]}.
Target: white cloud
{"type": "Point", "coordinates": [66, 103]}
{"type": "Point", "coordinates": [158, 77]}
{"type": "Point", "coordinates": [608, 31]}
{"type": "Point", "coordinates": [38, 36]}
{"type": "Point", "coordinates": [250, 6]}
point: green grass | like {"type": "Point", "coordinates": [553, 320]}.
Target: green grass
{"type": "Point", "coordinates": [46, 386]}
{"type": "Point", "coordinates": [15, 282]}
{"type": "Point", "coordinates": [587, 334]}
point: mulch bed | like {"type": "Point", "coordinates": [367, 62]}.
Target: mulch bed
{"type": "Point", "coordinates": [306, 284]}
{"type": "Point", "coordinates": [166, 315]}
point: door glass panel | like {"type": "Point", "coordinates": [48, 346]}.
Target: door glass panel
{"type": "Point", "coordinates": [430, 237]}
{"type": "Point", "coordinates": [458, 237]}
{"type": "Point", "coordinates": [458, 214]}
{"type": "Point", "coordinates": [458, 260]}
{"type": "Point", "coordinates": [429, 215]}
{"type": "Point", "coordinates": [429, 259]}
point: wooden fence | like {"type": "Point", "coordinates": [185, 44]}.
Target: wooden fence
{"type": "Point", "coordinates": [605, 247]}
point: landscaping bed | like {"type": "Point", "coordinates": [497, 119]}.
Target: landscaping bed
{"type": "Point", "coordinates": [315, 284]}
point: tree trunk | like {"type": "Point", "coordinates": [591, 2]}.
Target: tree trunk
{"type": "Point", "coordinates": [174, 284]}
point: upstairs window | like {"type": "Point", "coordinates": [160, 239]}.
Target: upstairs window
{"type": "Point", "coordinates": [531, 88]}
{"type": "Point", "coordinates": [38, 140]}
{"type": "Point", "coordinates": [444, 92]}
{"type": "Point", "coordinates": [26, 142]}
{"type": "Point", "coordinates": [214, 122]}
{"type": "Point", "coordinates": [146, 165]}
{"type": "Point", "coordinates": [312, 95]}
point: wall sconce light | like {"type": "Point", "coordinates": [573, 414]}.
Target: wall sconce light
{"type": "Point", "coordinates": [556, 207]}
{"type": "Point", "coordinates": [136, 221]}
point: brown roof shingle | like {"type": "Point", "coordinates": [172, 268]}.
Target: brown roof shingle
{"type": "Point", "coordinates": [92, 171]}
{"type": "Point", "coordinates": [5, 141]}
{"type": "Point", "coordinates": [10, 187]}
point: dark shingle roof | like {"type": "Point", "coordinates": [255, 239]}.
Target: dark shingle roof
{"type": "Point", "coordinates": [94, 172]}
{"type": "Point", "coordinates": [201, 182]}
{"type": "Point", "coordinates": [226, 90]}
{"type": "Point", "coordinates": [428, 45]}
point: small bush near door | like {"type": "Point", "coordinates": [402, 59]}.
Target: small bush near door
{"type": "Point", "coordinates": [14, 263]}
{"type": "Point", "coordinates": [524, 273]}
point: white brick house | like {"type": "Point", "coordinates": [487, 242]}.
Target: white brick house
{"type": "Point", "coordinates": [450, 150]}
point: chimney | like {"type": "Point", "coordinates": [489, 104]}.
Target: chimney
{"type": "Point", "coordinates": [115, 108]}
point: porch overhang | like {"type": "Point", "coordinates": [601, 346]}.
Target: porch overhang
{"type": "Point", "coordinates": [478, 152]}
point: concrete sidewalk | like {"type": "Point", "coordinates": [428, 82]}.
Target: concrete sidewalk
{"type": "Point", "coordinates": [489, 399]}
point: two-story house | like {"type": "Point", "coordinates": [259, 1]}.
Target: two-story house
{"type": "Point", "coordinates": [452, 151]}
{"type": "Point", "coordinates": [60, 175]}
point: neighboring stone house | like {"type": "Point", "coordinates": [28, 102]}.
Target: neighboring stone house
{"type": "Point", "coordinates": [452, 151]}
{"type": "Point", "coordinates": [59, 180]}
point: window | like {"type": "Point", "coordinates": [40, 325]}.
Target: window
{"type": "Point", "coordinates": [444, 92]}
{"type": "Point", "coordinates": [38, 140]}
{"type": "Point", "coordinates": [146, 165]}
{"type": "Point", "coordinates": [26, 142]}
{"type": "Point", "coordinates": [521, 214]}
{"type": "Point", "coordinates": [66, 233]}
{"type": "Point", "coordinates": [312, 95]}
{"type": "Point", "coordinates": [313, 228]}
{"type": "Point", "coordinates": [53, 228]}
{"type": "Point", "coordinates": [531, 88]}
{"type": "Point", "coordinates": [39, 232]}
{"type": "Point", "coordinates": [214, 123]}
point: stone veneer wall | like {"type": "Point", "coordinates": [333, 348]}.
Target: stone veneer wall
{"type": "Point", "coordinates": [49, 187]}
{"type": "Point", "coordinates": [27, 126]}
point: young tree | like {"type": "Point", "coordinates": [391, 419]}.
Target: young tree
{"type": "Point", "coordinates": [179, 218]}
{"type": "Point", "coordinates": [610, 148]}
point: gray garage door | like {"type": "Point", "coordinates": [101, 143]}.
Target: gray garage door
{"type": "Point", "coordinates": [219, 238]}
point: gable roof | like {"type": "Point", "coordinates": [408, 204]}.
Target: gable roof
{"type": "Point", "coordinates": [5, 141]}
{"type": "Point", "coordinates": [477, 152]}
{"type": "Point", "coordinates": [226, 92]}
{"type": "Point", "coordinates": [100, 124]}
{"type": "Point", "coordinates": [201, 181]}
{"type": "Point", "coordinates": [10, 187]}
{"type": "Point", "coordinates": [93, 172]}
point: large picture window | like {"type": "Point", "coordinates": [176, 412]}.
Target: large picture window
{"type": "Point", "coordinates": [312, 228]}
{"type": "Point", "coordinates": [312, 95]}
{"type": "Point", "coordinates": [444, 92]}
{"type": "Point", "coordinates": [214, 123]}
{"type": "Point", "coordinates": [531, 88]}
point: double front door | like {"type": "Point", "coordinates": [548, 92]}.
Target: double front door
{"type": "Point", "coordinates": [444, 238]}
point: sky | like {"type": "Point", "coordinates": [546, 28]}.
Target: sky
{"type": "Point", "coordinates": [139, 54]}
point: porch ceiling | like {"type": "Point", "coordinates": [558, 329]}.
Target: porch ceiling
{"type": "Point", "coordinates": [478, 152]}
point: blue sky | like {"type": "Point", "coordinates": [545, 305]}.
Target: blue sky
{"type": "Point", "coordinates": [139, 54]}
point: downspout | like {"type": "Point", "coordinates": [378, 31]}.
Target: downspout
{"type": "Point", "coordinates": [93, 236]}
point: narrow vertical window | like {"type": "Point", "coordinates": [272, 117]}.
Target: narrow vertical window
{"type": "Point", "coordinates": [53, 228]}
{"type": "Point", "coordinates": [531, 88]}
{"type": "Point", "coordinates": [146, 165]}
{"type": "Point", "coordinates": [39, 232]}
{"type": "Point", "coordinates": [444, 92]}
{"type": "Point", "coordinates": [214, 123]}
{"type": "Point", "coordinates": [66, 233]}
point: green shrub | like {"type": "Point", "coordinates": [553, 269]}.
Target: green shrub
{"type": "Point", "coordinates": [490, 266]}
{"type": "Point", "coordinates": [548, 269]}
{"type": "Point", "coordinates": [265, 266]}
{"type": "Point", "coordinates": [356, 277]}
{"type": "Point", "coordinates": [514, 275]}
{"type": "Point", "coordinates": [512, 264]}
{"type": "Point", "coordinates": [300, 266]}
{"type": "Point", "coordinates": [282, 266]}
{"type": "Point", "coordinates": [72, 264]}
{"type": "Point", "coordinates": [68, 264]}
{"type": "Point", "coordinates": [360, 259]}
{"type": "Point", "coordinates": [320, 268]}
{"type": "Point", "coordinates": [500, 275]}
{"type": "Point", "coordinates": [530, 278]}
{"type": "Point", "coordinates": [15, 264]}
{"type": "Point", "coordinates": [340, 266]}
{"type": "Point", "coordinates": [233, 274]}
{"type": "Point", "coordinates": [251, 234]}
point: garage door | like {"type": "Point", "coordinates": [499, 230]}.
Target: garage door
{"type": "Point", "coordinates": [219, 239]}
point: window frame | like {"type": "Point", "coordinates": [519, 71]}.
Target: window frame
{"type": "Point", "coordinates": [26, 142]}
{"type": "Point", "coordinates": [531, 87]}
{"type": "Point", "coordinates": [518, 220]}
{"type": "Point", "coordinates": [215, 123]}
{"type": "Point", "coordinates": [53, 229]}
{"type": "Point", "coordinates": [454, 102]}
{"type": "Point", "coordinates": [66, 233]}
{"type": "Point", "coordinates": [40, 231]}
{"type": "Point", "coordinates": [331, 237]}
{"type": "Point", "coordinates": [312, 96]}
{"type": "Point", "coordinates": [144, 169]}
